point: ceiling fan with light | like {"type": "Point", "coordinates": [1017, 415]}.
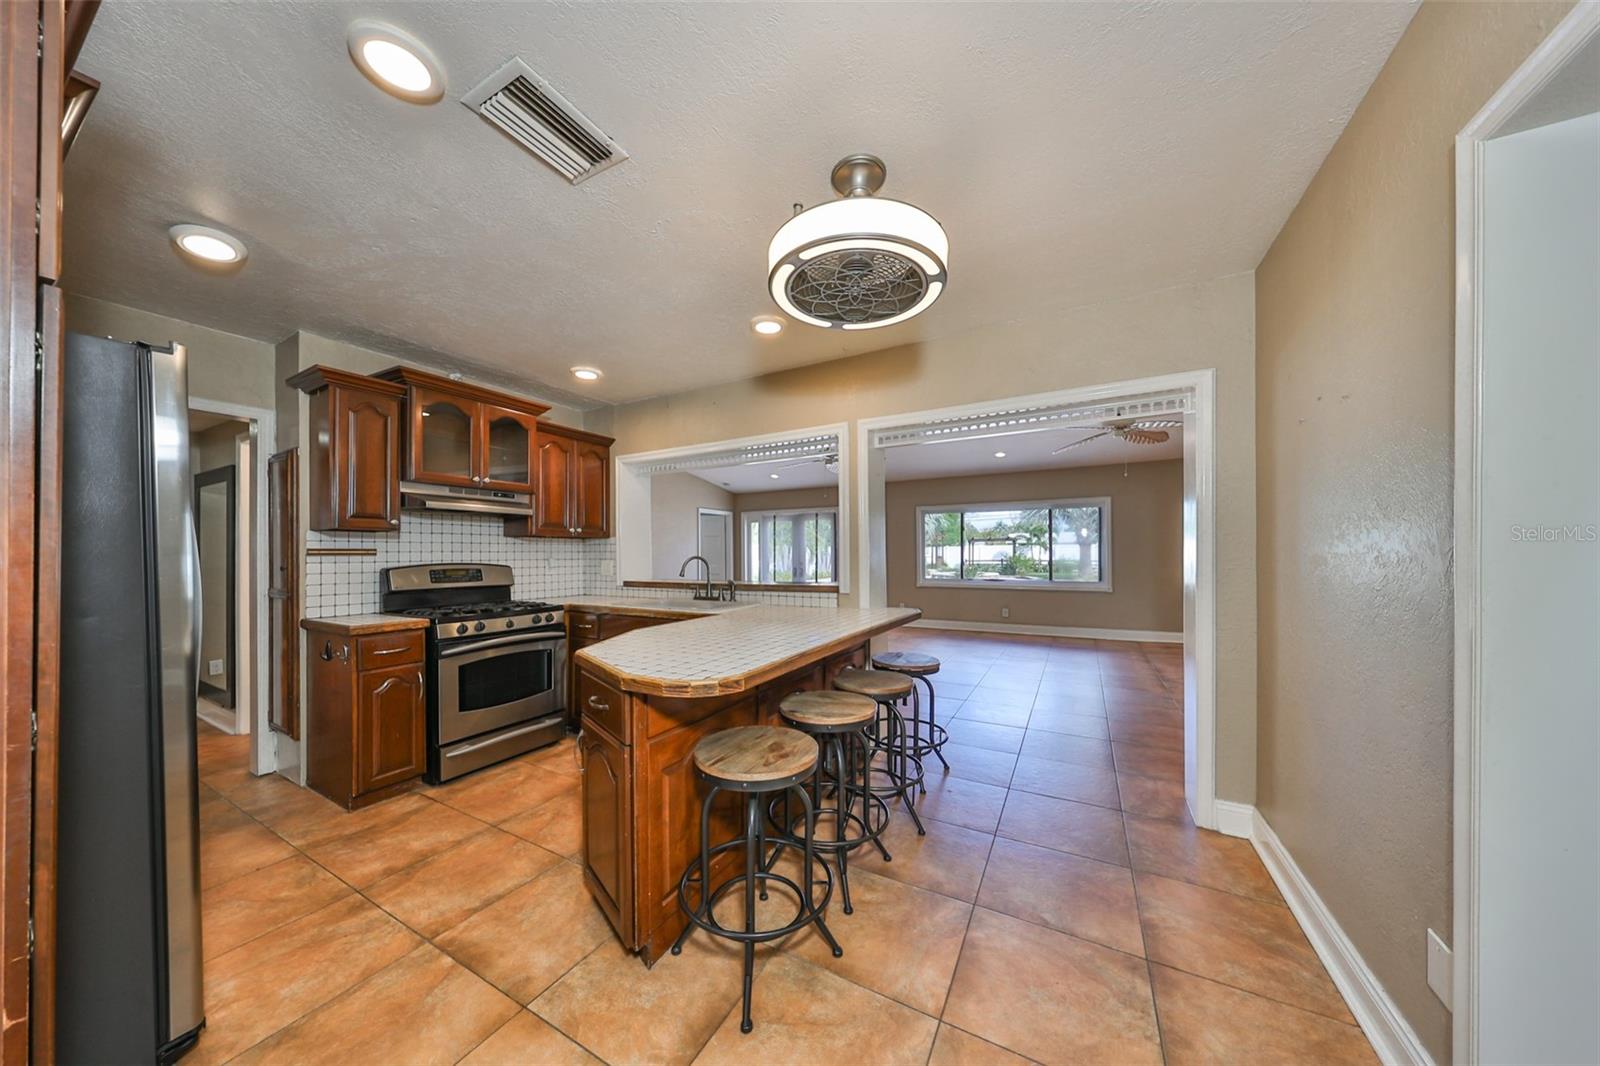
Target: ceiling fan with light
{"type": "Point", "coordinates": [1131, 430]}
{"type": "Point", "coordinates": [830, 462]}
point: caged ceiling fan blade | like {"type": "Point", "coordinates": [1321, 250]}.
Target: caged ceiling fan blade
{"type": "Point", "coordinates": [1086, 440]}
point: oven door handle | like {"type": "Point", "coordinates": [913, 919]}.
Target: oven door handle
{"type": "Point", "coordinates": [500, 642]}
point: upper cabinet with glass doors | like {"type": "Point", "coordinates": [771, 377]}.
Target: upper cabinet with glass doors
{"type": "Point", "coordinates": [460, 434]}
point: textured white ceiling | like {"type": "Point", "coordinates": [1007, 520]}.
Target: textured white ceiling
{"type": "Point", "coordinates": [1073, 152]}
{"type": "Point", "coordinates": [1024, 451]}
{"type": "Point", "coordinates": [757, 477]}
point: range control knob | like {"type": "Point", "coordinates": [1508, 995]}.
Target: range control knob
{"type": "Point", "coordinates": [511, 623]}
{"type": "Point", "coordinates": [549, 618]}
{"type": "Point", "coordinates": [478, 628]}
{"type": "Point", "coordinates": [462, 628]}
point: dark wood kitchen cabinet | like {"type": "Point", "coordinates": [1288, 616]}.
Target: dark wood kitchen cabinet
{"type": "Point", "coordinates": [574, 491]}
{"type": "Point", "coordinates": [366, 716]}
{"type": "Point", "coordinates": [354, 455]}
{"type": "Point", "coordinates": [607, 824]}
{"type": "Point", "coordinates": [467, 436]}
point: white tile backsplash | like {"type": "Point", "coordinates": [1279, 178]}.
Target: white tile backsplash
{"type": "Point", "coordinates": [545, 569]}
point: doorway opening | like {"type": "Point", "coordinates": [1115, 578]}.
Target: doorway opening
{"type": "Point", "coordinates": [1044, 552]}
{"type": "Point", "coordinates": [228, 447]}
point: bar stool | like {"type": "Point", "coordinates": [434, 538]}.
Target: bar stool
{"type": "Point", "coordinates": [753, 761]}
{"type": "Point", "coordinates": [921, 667]}
{"type": "Point", "coordinates": [838, 721]}
{"type": "Point", "coordinates": [901, 765]}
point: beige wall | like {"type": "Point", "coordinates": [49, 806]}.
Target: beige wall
{"type": "Point", "coordinates": [1354, 327]}
{"type": "Point", "coordinates": [223, 367]}
{"type": "Point", "coordinates": [1146, 548]}
{"type": "Point", "coordinates": [675, 502]}
{"type": "Point", "coordinates": [1209, 324]}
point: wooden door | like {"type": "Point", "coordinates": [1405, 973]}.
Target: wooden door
{"type": "Point", "coordinates": [608, 828]}
{"type": "Point", "coordinates": [505, 448]}
{"type": "Point", "coordinates": [390, 724]}
{"type": "Point", "coordinates": [366, 428]}
{"type": "Point", "coordinates": [443, 438]}
{"type": "Point", "coordinates": [591, 503]}
{"type": "Point", "coordinates": [553, 508]}
{"type": "Point", "coordinates": [283, 594]}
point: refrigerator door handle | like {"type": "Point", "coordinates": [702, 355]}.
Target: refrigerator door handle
{"type": "Point", "coordinates": [199, 598]}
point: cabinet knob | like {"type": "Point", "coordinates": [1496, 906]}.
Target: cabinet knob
{"type": "Point", "coordinates": [394, 521]}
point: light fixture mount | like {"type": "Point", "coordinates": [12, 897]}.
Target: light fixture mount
{"type": "Point", "coordinates": [859, 262]}
{"type": "Point", "coordinates": [207, 244]}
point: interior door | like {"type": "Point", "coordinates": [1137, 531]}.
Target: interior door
{"type": "Point", "coordinates": [283, 595]}
{"type": "Point", "coordinates": [716, 542]}
{"type": "Point", "coordinates": [553, 508]}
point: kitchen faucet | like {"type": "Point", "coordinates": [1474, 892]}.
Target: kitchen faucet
{"type": "Point", "coordinates": [705, 593]}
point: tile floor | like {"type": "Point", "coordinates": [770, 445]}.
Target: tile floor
{"type": "Point", "coordinates": [1061, 908]}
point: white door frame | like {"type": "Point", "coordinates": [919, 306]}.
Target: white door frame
{"type": "Point", "coordinates": [1569, 37]}
{"type": "Point", "coordinates": [263, 742]}
{"type": "Point", "coordinates": [1200, 546]}
{"type": "Point", "coordinates": [728, 552]}
{"type": "Point", "coordinates": [632, 525]}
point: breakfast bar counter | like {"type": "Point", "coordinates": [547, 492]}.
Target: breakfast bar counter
{"type": "Point", "coordinates": [647, 698]}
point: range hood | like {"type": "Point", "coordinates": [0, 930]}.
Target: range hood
{"type": "Point", "coordinates": [419, 497]}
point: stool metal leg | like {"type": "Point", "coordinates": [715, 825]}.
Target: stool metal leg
{"type": "Point", "coordinates": [897, 750]}
{"type": "Point", "coordinates": [752, 824]}
{"type": "Point", "coordinates": [933, 723]}
{"type": "Point", "coordinates": [811, 826]}
{"type": "Point", "coordinates": [841, 810]}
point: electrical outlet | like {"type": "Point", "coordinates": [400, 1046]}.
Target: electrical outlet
{"type": "Point", "coordinates": [1441, 969]}
{"type": "Point", "coordinates": [214, 668]}
{"type": "Point", "coordinates": [1005, 612]}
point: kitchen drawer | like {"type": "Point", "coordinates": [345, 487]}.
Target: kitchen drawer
{"type": "Point", "coordinates": [583, 626]}
{"type": "Point", "coordinates": [614, 625]}
{"type": "Point", "coordinates": [603, 705]}
{"type": "Point", "coordinates": [381, 650]}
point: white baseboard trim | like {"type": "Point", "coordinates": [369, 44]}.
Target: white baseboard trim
{"type": "Point", "coordinates": [1142, 636]}
{"type": "Point", "coordinates": [213, 715]}
{"type": "Point", "coordinates": [1235, 819]}
{"type": "Point", "coordinates": [1395, 1042]}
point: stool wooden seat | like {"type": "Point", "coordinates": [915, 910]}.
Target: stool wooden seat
{"type": "Point", "coordinates": [829, 711]}
{"type": "Point", "coordinates": [879, 684]}
{"type": "Point", "coordinates": [756, 757]}
{"type": "Point", "coordinates": [907, 662]}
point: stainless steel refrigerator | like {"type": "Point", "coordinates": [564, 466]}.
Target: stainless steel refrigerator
{"type": "Point", "coordinates": [128, 978]}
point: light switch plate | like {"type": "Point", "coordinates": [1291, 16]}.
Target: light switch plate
{"type": "Point", "coordinates": [1005, 612]}
{"type": "Point", "coordinates": [214, 667]}
{"type": "Point", "coordinates": [1441, 968]}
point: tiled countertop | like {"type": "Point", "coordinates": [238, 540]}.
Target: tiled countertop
{"type": "Point", "coordinates": [663, 607]}
{"type": "Point", "coordinates": [735, 650]}
{"type": "Point", "coordinates": [355, 624]}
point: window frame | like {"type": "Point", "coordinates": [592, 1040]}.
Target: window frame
{"type": "Point", "coordinates": [765, 515]}
{"type": "Point", "coordinates": [1049, 585]}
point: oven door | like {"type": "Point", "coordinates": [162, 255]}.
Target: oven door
{"type": "Point", "coordinates": [487, 684]}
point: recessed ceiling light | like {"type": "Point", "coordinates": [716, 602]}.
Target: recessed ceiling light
{"type": "Point", "coordinates": [586, 373]}
{"type": "Point", "coordinates": [773, 476]}
{"type": "Point", "coordinates": [999, 455]}
{"type": "Point", "coordinates": [767, 325]}
{"type": "Point", "coordinates": [395, 61]}
{"type": "Point", "coordinates": [207, 244]}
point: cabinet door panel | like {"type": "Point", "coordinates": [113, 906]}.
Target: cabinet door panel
{"type": "Point", "coordinates": [443, 438]}
{"type": "Point", "coordinates": [389, 727]}
{"type": "Point", "coordinates": [366, 444]}
{"type": "Point", "coordinates": [591, 496]}
{"type": "Point", "coordinates": [608, 828]}
{"type": "Point", "coordinates": [507, 448]}
{"type": "Point", "coordinates": [553, 507]}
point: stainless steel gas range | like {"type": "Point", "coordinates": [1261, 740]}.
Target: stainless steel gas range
{"type": "Point", "coordinates": [497, 667]}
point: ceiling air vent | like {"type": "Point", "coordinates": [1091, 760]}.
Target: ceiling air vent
{"type": "Point", "coordinates": [540, 119]}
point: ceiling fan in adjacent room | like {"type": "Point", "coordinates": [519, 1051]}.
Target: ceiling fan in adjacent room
{"type": "Point", "coordinates": [830, 462]}
{"type": "Point", "coordinates": [1131, 430]}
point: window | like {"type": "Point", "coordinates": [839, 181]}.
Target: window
{"type": "Point", "coordinates": [1058, 544]}
{"type": "Point", "coordinates": [789, 547]}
